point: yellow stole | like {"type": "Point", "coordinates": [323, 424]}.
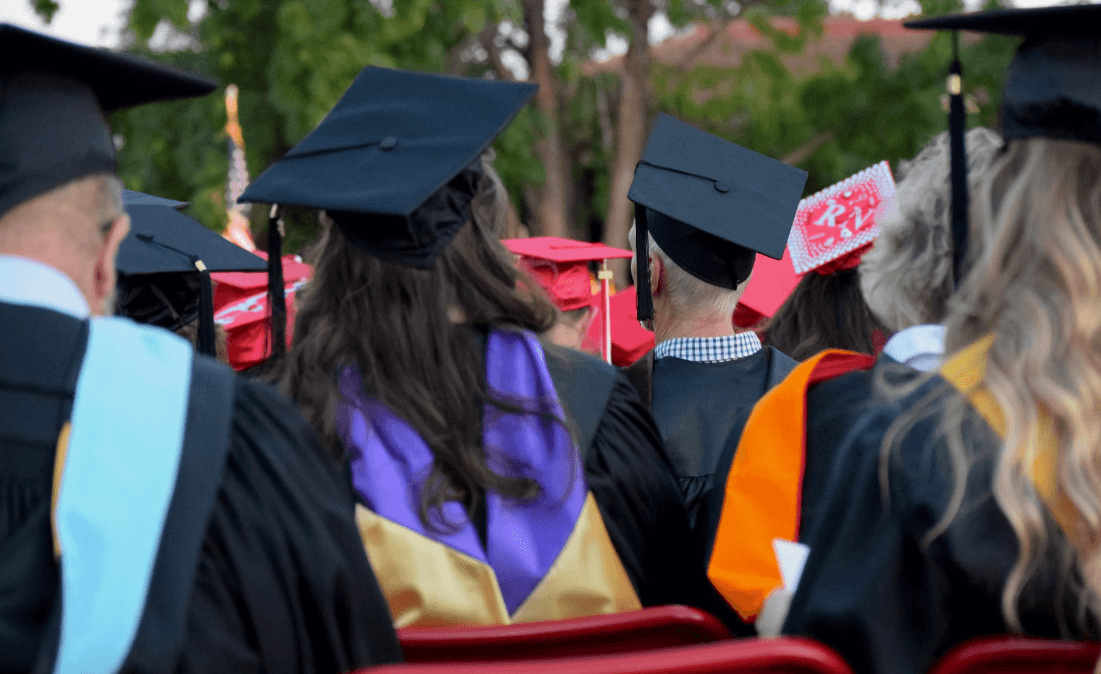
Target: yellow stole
{"type": "Point", "coordinates": [429, 584]}
{"type": "Point", "coordinates": [966, 372]}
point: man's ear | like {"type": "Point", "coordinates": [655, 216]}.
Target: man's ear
{"type": "Point", "coordinates": [105, 277]}
{"type": "Point", "coordinates": [657, 276]}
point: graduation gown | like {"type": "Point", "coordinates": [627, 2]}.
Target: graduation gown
{"type": "Point", "coordinates": [259, 568]}
{"type": "Point", "coordinates": [638, 546]}
{"type": "Point", "coordinates": [701, 408]}
{"type": "Point", "coordinates": [633, 482]}
{"type": "Point", "coordinates": [873, 587]}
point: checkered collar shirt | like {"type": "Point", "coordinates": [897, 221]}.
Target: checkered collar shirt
{"type": "Point", "coordinates": [709, 349]}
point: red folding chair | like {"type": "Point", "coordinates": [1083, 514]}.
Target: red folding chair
{"type": "Point", "coordinates": [1017, 655]}
{"type": "Point", "coordinates": [744, 656]}
{"type": "Point", "coordinates": [650, 628]}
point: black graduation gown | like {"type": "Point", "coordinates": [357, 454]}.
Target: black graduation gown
{"type": "Point", "coordinates": [268, 575]}
{"type": "Point", "coordinates": [702, 407]}
{"type": "Point", "coordinates": [832, 407]}
{"type": "Point", "coordinates": [873, 588]}
{"type": "Point", "coordinates": [632, 482]}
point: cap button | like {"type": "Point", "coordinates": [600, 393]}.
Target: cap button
{"type": "Point", "coordinates": [720, 186]}
{"type": "Point", "coordinates": [388, 143]}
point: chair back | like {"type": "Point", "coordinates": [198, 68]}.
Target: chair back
{"type": "Point", "coordinates": [742, 656]}
{"type": "Point", "coordinates": [1018, 655]}
{"type": "Point", "coordinates": [650, 628]}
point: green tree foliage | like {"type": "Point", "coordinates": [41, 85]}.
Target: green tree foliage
{"type": "Point", "coordinates": [292, 59]}
{"type": "Point", "coordinates": [46, 8]}
{"type": "Point", "coordinates": [849, 116]}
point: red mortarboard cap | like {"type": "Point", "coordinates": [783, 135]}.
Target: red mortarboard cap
{"type": "Point", "coordinates": [630, 341]}
{"type": "Point", "coordinates": [771, 283]}
{"type": "Point", "coordinates": [235, 286]}
{"type": "Point", "coordinates": [241, 307]}
{"type": "Point", "coordinates": [834, 226]}
{"type": "Point", "coordinates": [560, 266]}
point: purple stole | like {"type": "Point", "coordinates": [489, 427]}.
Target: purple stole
{"type": "Point", "coordinates": [537, 552]}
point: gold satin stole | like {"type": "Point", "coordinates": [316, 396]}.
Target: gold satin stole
{"type": "Point", "coordinates": [966, 372]}
{"type": "Point", "coordinates": [429, 584]}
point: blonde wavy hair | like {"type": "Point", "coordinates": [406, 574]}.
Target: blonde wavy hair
{"type": "Point", "coordinates": [906, 278]}
{"type": "Point", "coordinates": [1034, 282]}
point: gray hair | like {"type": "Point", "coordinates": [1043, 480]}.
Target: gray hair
{"type": "Point", "coordinates": [688, 293]}
{"type": "Point", "coordinates": [906, 277]}
{"type": "Point", "coordinates": [110, 198]}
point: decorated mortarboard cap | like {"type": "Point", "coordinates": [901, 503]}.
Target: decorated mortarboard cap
{"type": "Point", "coordinates": [561, 267]}
{"type": "Point", "coordinates": [835, 226]}
{"type": "Point", "coordinates": [53, 96]}
{"type": "Point", "coordinates": [710, 204]}
{"type": "Point", "coordinates": [165, 262]}
{"type": "Point", "coordinates": [397, 160]}
{"type": "Point", "coordinates": [1051, 89]}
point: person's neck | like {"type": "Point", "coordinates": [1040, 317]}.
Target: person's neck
{"type": "Point", "coordinates": [675, 327]}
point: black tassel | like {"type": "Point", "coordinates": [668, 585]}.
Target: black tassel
{"type": "Point", "coordinates": [277, 300]}
{"type": "Point", "coordinates": [644, 304]}
{"type": "Point", "coordinates": [206, 341]}
{"type": "Point", "coordinates": [957, 131]}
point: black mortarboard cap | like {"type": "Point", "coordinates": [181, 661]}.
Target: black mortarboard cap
{"type": "Point", "coordinates": [710, 204]}
{"type": "Point", "coordinates": [395, 164]}
{"type": "Point", "coordinates": [1051, 89]}
{"type": "Point", "coordinates": [132, 198]}
{"type": "Point", "coordinates": [165, 264]}
{"type": "Point", "coordinates": [396, 161]}
{"type": "Point", "coordinates": [53, 96]}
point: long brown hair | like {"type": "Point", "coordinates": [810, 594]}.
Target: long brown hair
{"type": "Point", "coordinates": [412, 336]}
{"type": "Point", "coordinates": [824, 312]}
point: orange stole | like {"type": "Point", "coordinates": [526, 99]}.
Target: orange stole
{"type": "Point", "coordinates": [429, 584]}
{"type": "Point", "coordinates": [966, 372]}
{"type": "Point", "coordinates": [765, 484]}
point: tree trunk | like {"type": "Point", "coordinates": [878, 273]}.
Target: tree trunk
{"type": "Point", "coordinates": [631, 129]}
{"type": "Point", "coordinates": [550, 214]}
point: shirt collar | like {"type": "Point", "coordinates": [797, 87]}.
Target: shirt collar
{"type": "Point", "coordinates": [32, 283]}
{"type": "Point", "coordinates": [919, 346]}
{"type": "Point", "coordinates": [709, 349]}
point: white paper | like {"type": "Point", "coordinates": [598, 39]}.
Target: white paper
{"type": "Point", "coordinates": [792, 557]}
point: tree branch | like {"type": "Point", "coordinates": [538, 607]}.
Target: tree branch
{"type": "Point", "coordinates": [807, 149]}
{"type": "Point", "coordinates": [487, 36]}
{"type": "Point", "coordinates": [715, 34]}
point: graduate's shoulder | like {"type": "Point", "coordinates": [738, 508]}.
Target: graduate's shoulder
{"type": "Point", "coordinates": [903, 437]}
{"type": "Point", "coordinates": [574, 363]}
{"type": "Point", "coordinates": [585, 386]}
{"type": "Point", "coordinates": [269, 435]}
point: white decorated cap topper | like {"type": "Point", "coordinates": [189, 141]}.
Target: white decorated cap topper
{"type": "Point", "coordinates": [841, 218]}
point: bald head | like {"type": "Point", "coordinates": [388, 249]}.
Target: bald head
{"type": "Point", "coordinates": [75, 228]}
